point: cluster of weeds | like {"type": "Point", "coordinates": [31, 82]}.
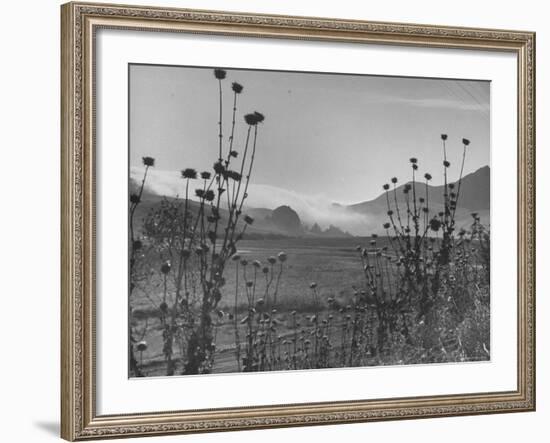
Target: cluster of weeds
{"type": "Point", "coordinates": [192, 242]}
{"type": "Point", "coordinates": [425, 296]}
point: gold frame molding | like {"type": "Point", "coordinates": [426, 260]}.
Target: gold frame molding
{"type": "Point", "coordinates": [79, 22]}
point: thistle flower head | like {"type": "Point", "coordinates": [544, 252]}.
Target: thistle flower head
{"type": "Point", "coordinates": [142, 346]}
{"type": "Point", "coordinates": [413, 160]}
{"type": "Point", "coordinates": [219, 168]}
{"type": "Point", "coordinates": [427, 176]}
{"type": "Point", "coordinates": [148, 161]}
{"type": "Point", "coordinates": [134, 198]}
{"type": "Point", "coordinates": [251, 119]}
{"type": "Point", "coordinates": [165, 268]}
{"type": "Point", "coordinates": [443, 137]}
{"type": "Point", "coordinates": [415, 166]}
{"type": "Point", "coordinates": [199, 193]}
{"type": "Point", "coordinates": [234, 154]}
{"type": "Point", "coordinates": [259, 116]}
{"type": "Point", "coordinates": [386, 187]}
{"type": "Point", "coordinates": [237, 87]}
{"type": "Point", "coordinates": [282, 256]}
{"type": "Point", "coordinates": [265, 270]}
{"type": "Point", "coordinates": [209, 195]}
{"type": "Point", "coordinates": [205, 175]}
{"type": "Point", "coordinates": [451, 185]}
{"type": "Point", "coordinates": [248, 220]}
{"type": "Point", "coordinates": [189, 173]}
{"type": "Point", "coordinates": [446, 163]}
{"type": "Point", "coordinates": [394, 180]}
{"type": "Point", "coordinates": [465, 141]}
{"type": "Point", "coordinates": [234, 175]}
{"type": "Point", "coordinates": [236, 257]}
{"type": "Point", "coordinates": [272, 260]}
{"type": "Point", "coordinates": [435, 224]}
{"type": "Point", "coordinates": [386, 226]}
{"type": "Point", "coordinates": [219, 73]}
{"type": "Point", "coordinates": [257, 263]}
{"type": "Point", "coordinates": [313, 285]}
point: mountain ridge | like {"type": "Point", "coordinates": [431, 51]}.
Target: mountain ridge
{"type": "Point", "coordinates": [372, 214]}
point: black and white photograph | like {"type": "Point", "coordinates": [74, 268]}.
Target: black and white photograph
{"type": "Point", "coordinates": [284, 221]}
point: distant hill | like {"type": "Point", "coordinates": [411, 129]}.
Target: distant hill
{"type": "Point", "coordinates": [368, 216]}
{"type": "Point", "coordinates": [474, 193]}
{"type": "Point", "coordinates": [474, 197]}
{"type": "Point", "coordinates": [287, 220]}
{"type": "Point", "coordinates": [151, 202]}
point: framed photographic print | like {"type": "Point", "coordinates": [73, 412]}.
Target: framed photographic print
{"type": "Point", "coordinates": [281, 221]}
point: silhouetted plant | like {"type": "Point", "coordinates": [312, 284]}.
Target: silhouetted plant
{"type": "Point", "coordinates": [136, 247]}
{"type": "Point", "coordinates": [197, 239]}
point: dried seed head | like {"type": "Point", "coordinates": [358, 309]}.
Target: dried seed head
{"type": "Point", "coordinates": [148, 161]}
{"type": "Point", "coordinates": [189, 173]}
{"type": "Point", "coordinates": [165, 268]}
{"type": "Point", "coordinates": [220, 73]}
{"type": "Point", "coordinates": [237, 87]}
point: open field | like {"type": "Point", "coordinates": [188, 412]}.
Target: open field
{"type": "Point", "coordinates": [332, 263]}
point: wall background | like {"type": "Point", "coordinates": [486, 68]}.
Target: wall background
{"type": "Point", "coordinates": [29, 218]}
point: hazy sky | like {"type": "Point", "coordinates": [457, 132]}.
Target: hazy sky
{"type": "Point", "coordinates": [326, 137]}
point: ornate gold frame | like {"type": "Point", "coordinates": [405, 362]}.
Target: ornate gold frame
{"type": "Point", "coordinates": [79, 420]}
